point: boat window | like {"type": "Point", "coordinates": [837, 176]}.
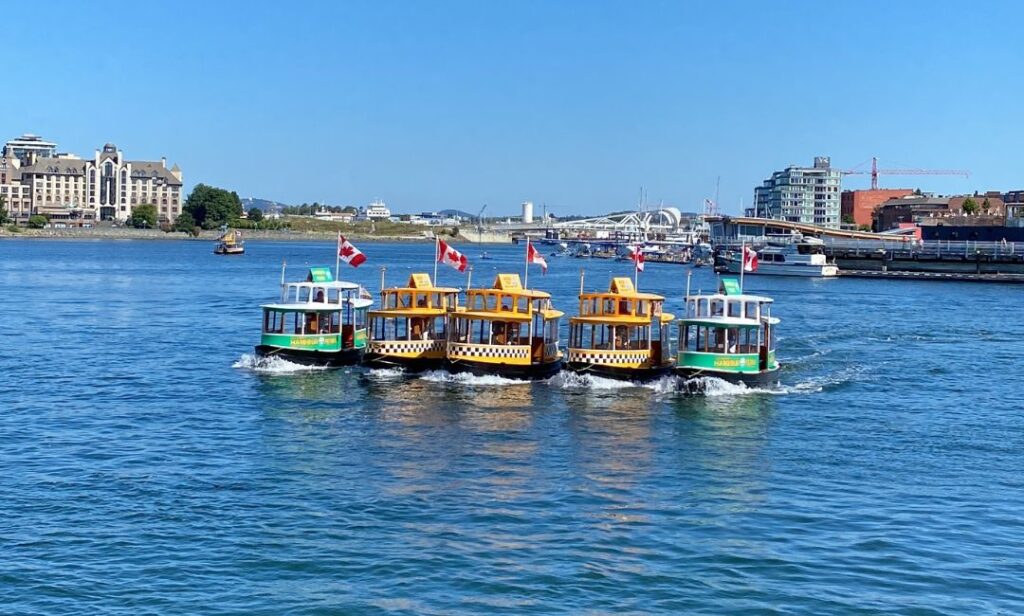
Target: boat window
{"type": "Point", "coordinates": [735, 308]}
{"type": "Point", "coordinates": [717, 307]}
{"type": "Point", "coordinates": [361, 318]}
{"type": "Point", "coordinates": [657, 308]}
{"type": "Point", "coordinates": [751, 310]}
{"type": "Point", "coordinates": [641, 308]}
{"type": "Point", "coordinates": [551, 331]}
{"type": "Point", "coordinates": [625, 306]}
{"type": "Point", "coordinates": [523, 304]}
{"type": "Point", "coordinates": [273, 322]}
{"type": "Point", "coordinates": [702, 308]}
{"type": "Point", "coordinates": [608, 306]}
{"type": "Point", "coordinates": [303, 294]}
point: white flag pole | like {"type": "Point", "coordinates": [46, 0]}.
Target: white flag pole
{"type": "Point", "coordinates": [636, 270]}
{"type": "Point", "coordinates": [743, 262]}
{"type": "Point", "coordinates": [437, 255]}
{"type": "Point", "coordinates": [337, 258]}
{"type": "Point", "coordinates": [526, 276]}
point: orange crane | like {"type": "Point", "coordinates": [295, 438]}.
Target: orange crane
{"type": "Point", "coordinates": [875, 172]}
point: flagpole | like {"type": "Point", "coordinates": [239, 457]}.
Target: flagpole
{"type": "Point", "coordinates": [743, 262]}
{"type": "Point", "coordinates": [581, 281]}
{"type": "Point", "coordinates": [437, 248]}
{"type": "Point", "coordinates": [526, 276]}
{"type": "Point", "coordinates": [284, 264]}
{"type": "Point", "coordinates": [636, 270]}
{"type": "Point", "coordinates": [469, 278]}
{"type": "Point", "coordinates": [337, 259]}
{"type": "Point", "coordinates": [382, 270]}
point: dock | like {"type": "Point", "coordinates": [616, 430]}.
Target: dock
{"type": "Point", "coordinates": [946, 276]}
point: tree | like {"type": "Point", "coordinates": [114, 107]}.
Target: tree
{"type": "Point", "coordinates": [37, 221]}
{"type": "Point", "coordinates": [255, 214]}
{"type": "Point", "coordinates": [185, 222]}
{"type": "Point", "coordinates": [849, 220]}
{"type": "Point", "coordinates": [985, 205]}
{"type": "Point", "coordinates": [970, 206]}
{"type": "Point", "coordinates": [143, 216]}
{"type": "Point", "coordinates": [4, 218]}
{"type": "Point", "coordinates": [211, 207]}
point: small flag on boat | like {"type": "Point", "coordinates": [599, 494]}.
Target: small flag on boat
{"type": "Point", "coordinates": [638, 258]}
{"type": "Point", "coordinates": [449, 256]}
{"type": "Point", "coordinates": [349, 253]}
{"type": "Point", "coordinates": [749, 259]}
{"type": "Point", "coordinates": [364, 294]}
{"type": "Point", "coordinates": [533, 256]}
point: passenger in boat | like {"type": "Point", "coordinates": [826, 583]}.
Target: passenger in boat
{"type": "Point", "coordinates": [621, 337]}
{"type": "Point", "coordinates": [319, 296]}
{"type": "Point", "coordinates": [498, 333]}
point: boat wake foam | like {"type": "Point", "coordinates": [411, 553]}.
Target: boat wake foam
{"type": "Point", "coordinates": [572, 380]}
{"type": "Point", "coordinates": [385, 374]}
{"type": "Point", "coordinates": [465, 378]}
{"type": "Point", "coordinates": [271, 365]}
{"type": "Point", "coordinates": [710, 386]}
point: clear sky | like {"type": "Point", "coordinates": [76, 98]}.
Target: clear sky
{"type": "Point", "coordinates": [576, 105]}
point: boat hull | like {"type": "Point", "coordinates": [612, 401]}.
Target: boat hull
{"type": "Point", "coordinates": [408, 364]}
{"type": "Point", "coordinates": [229, 251]}
{"type": "Point", "coordinates": [638, 375]}
{"type": "Point", "coordinates": [530, 372]}
{"type": "Point", "coordinates": [772, 269]}
{"type": "Point", "coordinates": [750, 379]}
{"type": "Point", "coordinates": [306, 357]}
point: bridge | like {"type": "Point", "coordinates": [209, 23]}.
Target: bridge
{"type": "Point", "coordinates": [725, 227]}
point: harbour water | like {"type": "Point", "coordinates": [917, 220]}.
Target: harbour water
{"type": "Point", "coordinates": [149, 467]}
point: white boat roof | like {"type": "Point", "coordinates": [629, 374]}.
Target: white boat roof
{"type": "Point", "coordinates": [356, 302]}
{"type": "Point", "coordinates": [334, 284]}
{"type": "Point", "coordinates": [729, 321]}
{"type": "Point", "coordinates": [744, 297]}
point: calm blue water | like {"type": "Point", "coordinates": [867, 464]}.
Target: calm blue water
{"type": "Point", "coordinates": [146, 468]}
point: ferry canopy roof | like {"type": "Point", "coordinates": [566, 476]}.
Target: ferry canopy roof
{"type": "Point", "coordinates": [421, 282]}
{"type": "Point", "coordinates": [355, 302]}
{"type": "Point", "coordinates": [509, 284]}
{"type": "Point", "coordinates": [726, 322]}
{"type": "Point", "coordinates": [622, 288]}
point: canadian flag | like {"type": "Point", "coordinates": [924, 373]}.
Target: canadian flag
{"type": "Point", "coordinates": [349, 253]}
{"type": "Point", "coordinates": [449, 256]}
{"type": "Point", "coordinates": [534, 257]}
{"type": "Point", "coordinates": [749, 259]}
{"type": "Point", "coordinates": [638, 258]}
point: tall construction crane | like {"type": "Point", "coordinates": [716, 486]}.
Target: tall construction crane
{"type": "Point", "coordinates": [875, 172]}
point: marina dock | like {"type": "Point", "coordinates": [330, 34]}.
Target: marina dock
{"type": "Point", "coordinates": [946, 276]}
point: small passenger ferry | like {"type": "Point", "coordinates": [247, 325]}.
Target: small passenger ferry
{"type": "Point", "coordinates": [804, 257]}
{"type": "Point", "coordinates": [230, 243]}
{"type": "Point", "coordinates": [505, 330]}
{"type": "Point", "coordinates": [728, 335]}
{"type": "Point", "coordinates": [620, 333]}
{"type": "Point", "coordinates": [409, 329]}
{"type": "Point", "coordinates": [318, 321]}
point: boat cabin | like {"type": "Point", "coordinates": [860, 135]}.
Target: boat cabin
{"type": "Point", "coordinates": [412, 320]}
{"type": "Point", "coordinates": [318, 313]}
{"type": "Point", "coordinates": [618, 320]}
{"type": "Point", "coordinates": [505, 324]}
{"type": "Point", "coordinates": [728, 331]}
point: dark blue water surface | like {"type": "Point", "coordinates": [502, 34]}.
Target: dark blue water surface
{"type": "Point", "coordinates": [147, 467]}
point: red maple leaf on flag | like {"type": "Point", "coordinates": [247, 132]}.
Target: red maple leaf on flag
{"type": "Point", "coordinates": [346, 251]}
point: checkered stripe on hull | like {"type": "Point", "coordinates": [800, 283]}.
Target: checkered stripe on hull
{"type": "Point", "coordinates": [463, 351]}
{"type": "Point", "coordinates": [394, 347]}
{"type": "Point", "coordinates": [609, 359]}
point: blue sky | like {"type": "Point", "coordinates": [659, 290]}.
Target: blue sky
{"type": "Point", "coordinates": [576, 105]}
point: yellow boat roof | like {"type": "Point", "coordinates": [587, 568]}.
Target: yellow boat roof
{"type": "Point", "coordinates": [507, 315]}
{"type": "Point", "coordinates": [408, 312]}
{"type": "Point", "coordinates": [622, 288]}
{"type": "Point", "coordinates": [509, 284]}
{"type": "Point", "coordinates": [624, 319]}
{"type": "Point", "coordinates": [421, 282]}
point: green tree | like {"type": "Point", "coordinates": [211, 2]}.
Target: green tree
{"type": "Point", "coordinates": [184, 222]}
{"type": "Point", "coordinates": [143, 216]}
{"type": "Point", "coordinates": [849, 220]}
{"type": "Point", "coordinates": [985, 205]}
{"type": "Point", "coordinates": [212, 207]}
{"type": "Point", "coordinates": [255, 214]}
{"type": "Point", "coordinates": [970, 206]}
{"type": "Point", "coordinates": [37, 221]}
{"type": "Point", "coordinates": [4, 218]}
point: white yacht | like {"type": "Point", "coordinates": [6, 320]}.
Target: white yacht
{"type": "Point", "coordinates": [804, 257]}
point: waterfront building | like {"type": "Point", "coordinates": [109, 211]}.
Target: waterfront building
{"type": "Point", "coordinates": [71, 191]}
{"type": "Point", "coordinates": [29, 146]}
{"type": "Point", "coordinates": [859, 205]}
{"type": "Point", "coordinates": [527, 212]}
{"type": "Point", "coordinates": [375, 211]}
{"type": "Point", "coordinates": [807, 195]}
{"type": "Point", "coordinates": [1014, 203]}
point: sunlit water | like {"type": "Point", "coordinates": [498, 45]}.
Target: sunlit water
{"type": "Point", "coordinates": [150, 465]}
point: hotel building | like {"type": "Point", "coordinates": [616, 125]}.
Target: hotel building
{"type": "Point", "coordinates": [76, 192]}
{"type": "Point", "coordinates": [801, 194]}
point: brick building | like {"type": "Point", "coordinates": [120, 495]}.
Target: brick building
{"type": "Point", "coordinates": [860, 204]}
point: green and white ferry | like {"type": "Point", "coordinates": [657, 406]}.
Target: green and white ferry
{"type": "Point", "coordinates": [319, 321]}
{"type": "Point", "coordinates": [728, 335]}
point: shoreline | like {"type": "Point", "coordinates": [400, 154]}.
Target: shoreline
{"type": "Point", "coordinates": [120, 234]}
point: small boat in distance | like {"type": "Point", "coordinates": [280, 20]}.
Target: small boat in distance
{"type": "Point", "coordinates": [408, 330]}
{"type": "Point", "coordinates": [230, 243]}
{"type": "Point", "coordinates": [728, 335]}
{"type": "Point", "coordinates": [319, 321]}
{"type": "Point", "coordinates": [506, 330]}
{"type": "Point", "coordinates": [804, 257]}
{"type": "Point", "coordinates": [620, 333]}
{"type": "Point", "coordinates": [485, 257]}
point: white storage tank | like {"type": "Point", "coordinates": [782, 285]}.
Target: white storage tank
{"type": "Point", "coordinates": [527, 212]}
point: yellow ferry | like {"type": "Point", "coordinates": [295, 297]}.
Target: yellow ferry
{"type": "Point", "coordinates": [506, 330]}
{"type": "Point", "coordinates": [621, 334]}
{"type": "Point", "coordinates": [409, 329]}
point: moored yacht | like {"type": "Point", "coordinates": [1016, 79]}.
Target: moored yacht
{"type": "Point", "coordinates": [805, 257]}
